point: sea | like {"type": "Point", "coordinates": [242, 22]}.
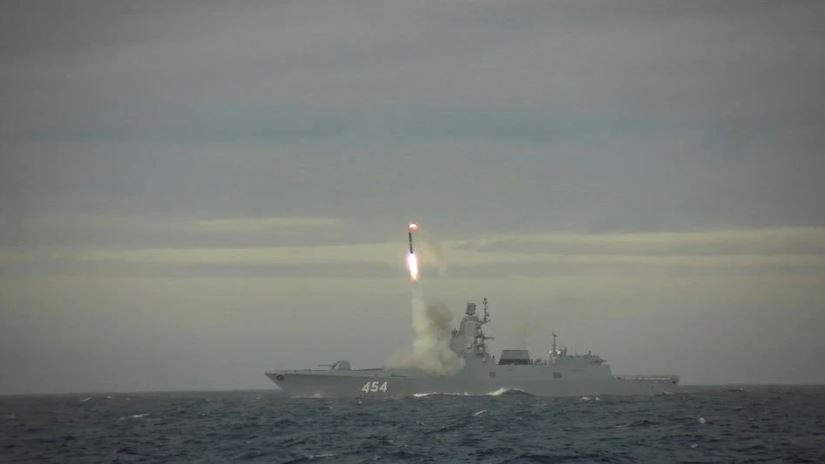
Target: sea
{"type": "Point", "coordinates": [710, 424]}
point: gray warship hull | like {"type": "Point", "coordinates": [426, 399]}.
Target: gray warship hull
{"type": "Point", "coordinates": [400, 383]}
{"type": "Point", "coordinates": [478, 373]}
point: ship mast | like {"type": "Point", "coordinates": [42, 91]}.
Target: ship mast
{"type": "Point", "coordinates": [486, 311]}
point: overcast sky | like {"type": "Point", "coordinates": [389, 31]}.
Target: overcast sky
{"type": "Point", "coordinates": [194, 192]}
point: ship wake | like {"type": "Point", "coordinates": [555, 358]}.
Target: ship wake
{"type": "Point", "coordinates": [504, 391]}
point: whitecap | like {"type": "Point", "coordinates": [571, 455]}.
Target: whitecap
{"type": "Point", "coordinates": [426, 394]}
{"type": "Point", "coordinates": [504, 390]}
{"type": "Point", "coordinates": [478, 413]}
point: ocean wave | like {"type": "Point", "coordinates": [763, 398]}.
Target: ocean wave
{"type": "Point", "coordinates": [235, 426]}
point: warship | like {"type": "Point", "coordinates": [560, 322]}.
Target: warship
{"type": "Point", "coordinates": [558, 374]}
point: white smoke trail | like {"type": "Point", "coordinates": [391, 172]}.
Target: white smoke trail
{"type": "Point", "coordinates": [431, 347]}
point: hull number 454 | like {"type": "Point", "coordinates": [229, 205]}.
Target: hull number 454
{"type": "Point", "coordinates": [374, 386]}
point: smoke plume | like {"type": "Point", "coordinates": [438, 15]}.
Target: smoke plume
{"type": "Point", "coordinates": [431, 348]}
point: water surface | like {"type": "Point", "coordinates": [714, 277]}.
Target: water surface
{"type": "Point", "coordinates": [756, 424]}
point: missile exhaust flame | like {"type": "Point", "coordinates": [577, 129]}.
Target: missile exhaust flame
{"type": "Point", "coordinates": [412, 259]}
{"type": "Point", "coordinates": [412, 265]}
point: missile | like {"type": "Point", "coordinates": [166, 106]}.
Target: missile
{"type": "Point", "coordinates": [412, 260]}
{"type": "Point", "coordinates": [412, 227]}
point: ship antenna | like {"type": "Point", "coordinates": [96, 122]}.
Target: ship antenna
{"type": "Point", "coordinates": [486, 311]}
{"type": "Point", "coordinates": [554, 342]}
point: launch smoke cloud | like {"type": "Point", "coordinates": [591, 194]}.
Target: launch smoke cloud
{"type": "Point", "coordinates": [431, 346]}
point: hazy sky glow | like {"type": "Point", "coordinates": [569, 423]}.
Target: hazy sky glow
{"type": "Point", "coordinates": [194, 192]}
